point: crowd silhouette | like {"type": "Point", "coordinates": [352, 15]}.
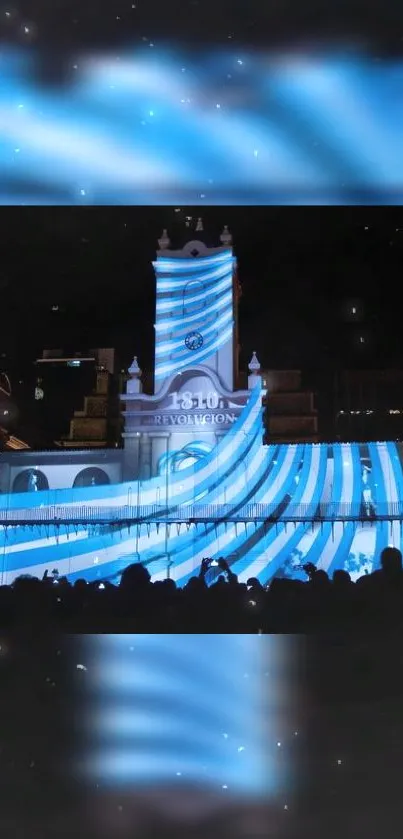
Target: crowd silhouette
{"type": "Point", "coordinates": [137, 604]}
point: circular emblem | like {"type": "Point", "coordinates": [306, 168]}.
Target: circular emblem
{"type": "Point", "coordinates": [194, 341]}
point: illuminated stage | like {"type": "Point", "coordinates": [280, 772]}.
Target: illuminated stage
{"type": "Point", "coordinates": [194, 478]}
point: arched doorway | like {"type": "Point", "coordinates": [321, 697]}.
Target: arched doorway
{"type": "Point", "coordinates": [91, 477]}
{"type": "Point", "coordinates": [30, 480]}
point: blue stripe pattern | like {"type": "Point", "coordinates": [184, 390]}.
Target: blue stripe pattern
{"type": "Point", "coordinates": [206, 287]}
{"type": "Point", "coordinates": [148, 130]}
{"type": "Point", "coordinates": [153, 716]}
{"type": "Point", "coordinates": [238, 471]}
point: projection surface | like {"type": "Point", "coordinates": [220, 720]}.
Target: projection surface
{"type": "Point", "coordinates": [193, 478]}
{"type": "Point", "coordinates": [192, 726]}
{"type": "Point", "coordinates": [239, 478]}
{"type": "Point", "coordinates": [169, 126]}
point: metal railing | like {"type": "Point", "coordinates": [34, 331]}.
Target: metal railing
{"type": "Point", "coordinates": [198, 513]}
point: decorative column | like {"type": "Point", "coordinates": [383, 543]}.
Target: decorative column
{"type": "Point", "coordinates": [134, 385]}
{"type": "Point", "coordinates": [164, 242]}
{"type": "Point", "coordinates": [226, 237]}
{"type": "Point", "coordinates": [131, 460]}
{"type": "Point", "coordinates": [145, 457]}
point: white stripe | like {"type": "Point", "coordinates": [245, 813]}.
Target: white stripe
{"type": "Point", "coordinates": [44, 543]}
{"type": "Point", "coordinates": [171, 306]}
{"type": "Point", "coordinates": [333, 543]}
{"type": "Point", "coordinates": [176, 283]}
{"type": "Point", "coordinates": [163, 263]}
{"type": "Point", "coordinates": [392, 493]}
{"type": "Point", "coordinates": [286, 533]}
{"type": "Point", "coordinates": [182, 323]}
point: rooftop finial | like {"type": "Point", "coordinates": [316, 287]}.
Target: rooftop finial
{"type": "Point", "coordinates": [254, 364]}
{"type": "Point", "coordinates": [134, 384]}
{"type": "Point", "coordinates": [164, 242]}
{"type": "Point", "coordinates": [226, 237]}
{"type": "Point", "coordinates": [134, 369]}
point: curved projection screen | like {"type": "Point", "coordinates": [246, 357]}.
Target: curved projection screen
{"type": "Point", "coordinates": [336, 506]}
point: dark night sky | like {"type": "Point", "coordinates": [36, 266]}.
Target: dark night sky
{"type": "Point", "coordinates": [59, 25]}
{"type": "Point", "coordinates": [301, 270]}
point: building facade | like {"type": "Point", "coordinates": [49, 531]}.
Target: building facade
{"type": "Point", "coordinates": [290, 414]}
{"type": "Point", "coordinates": [194, 404]}
{"type": "Point", "coordinates": [194, 478]}
{"type": "Point", "coordinates": [75, 402]}
{"type": "Point", "coordinates": [368, 404]}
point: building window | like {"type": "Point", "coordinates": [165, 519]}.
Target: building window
{"type": "Point", "coordinates": [91, 476]}
{"type": "Point", "coordinates": [30, 480]}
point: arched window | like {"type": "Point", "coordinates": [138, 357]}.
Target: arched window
{"type": "Point", "coordinates": [194, 288]}
{"type": "Point", "coordinates": [30, 480]}
{"type": "Point", "coordinates": [91, 476]}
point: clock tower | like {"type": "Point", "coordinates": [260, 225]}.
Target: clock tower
{"type": "Point", "coordinates": [194, 403]}
{"type": "Point", "coordinates": [195, 324]}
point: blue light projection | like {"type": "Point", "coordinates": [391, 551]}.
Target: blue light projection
{"type": "Point", "coordinates": [236, 474]}
{"type": "Point", "coordinates": [189, 454]}
{"type": "Point", "coordinates": [131, 129]}
{"type": "Point", "coordinates": [180, 710]}
{"type": "Point", "coordinates": [193, 295]}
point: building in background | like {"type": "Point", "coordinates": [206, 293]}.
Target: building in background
{"type": "Point", "coordinates": [74, 399]}
{"type": "Point", "coordinates": [368, 405]}
{"type": "Point", "coordinates": [290, 414]}
{"type": "Point", "coordinates": [8, 417]}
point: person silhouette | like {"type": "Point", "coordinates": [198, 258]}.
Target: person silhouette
{"type": "Point", "coordinates": [368, 503]}
{"type": "Point", "coordinates": [33, 483]}
{"type": "Point", "coordinates": [391, 564]}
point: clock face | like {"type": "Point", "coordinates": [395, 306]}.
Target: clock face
{"type": "Point", "coordinates": [194, 341]}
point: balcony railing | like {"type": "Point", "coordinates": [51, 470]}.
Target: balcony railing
{"type": "Point", "coordinates": [197, 513]}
